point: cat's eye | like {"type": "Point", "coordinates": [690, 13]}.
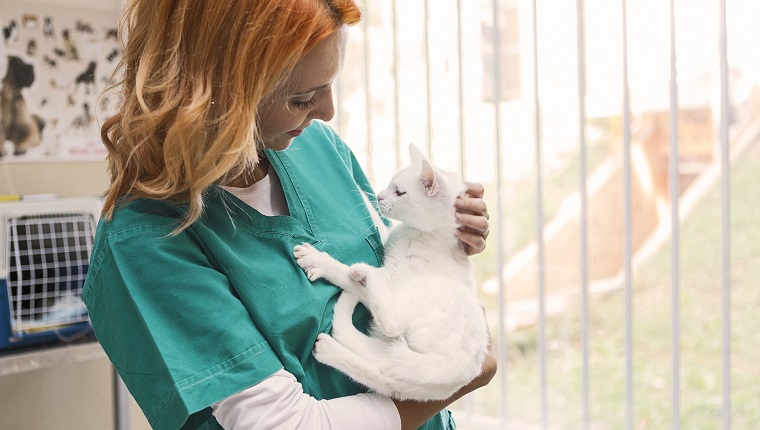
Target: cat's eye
{"type": "Point", "coordinates": [400, 193]}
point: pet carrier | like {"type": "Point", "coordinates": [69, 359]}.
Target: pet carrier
{"type": "Point", "coordinates": [44, 255]}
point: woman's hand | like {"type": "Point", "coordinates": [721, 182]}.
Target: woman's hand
{"type": "Point", "coordinates": [490, 365]}
{"type": "Point", "coordinates": [487, 372]}
{"type": "Point", "coordinates": [414, 414]}
{"type": "Point", "coordinates": [472, 214]}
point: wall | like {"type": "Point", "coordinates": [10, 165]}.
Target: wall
{"type": "Point", "coordinates": [28, 175]}
{"type": "Point", "coordinates": [71, 396]}
{"type": "Point", "coordinates": [66, 397]}
{"type": "Point", "coordinates": [84, 178]}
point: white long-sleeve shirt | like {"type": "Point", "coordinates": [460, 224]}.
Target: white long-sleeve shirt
{"type": "Point", "coordinates": [279, 402]}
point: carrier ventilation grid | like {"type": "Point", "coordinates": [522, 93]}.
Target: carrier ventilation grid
{"type": "Point", "coordinates": [47, 260]}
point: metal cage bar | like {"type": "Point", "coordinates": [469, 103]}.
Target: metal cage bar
{"type": "Point", "coordinates": [47, 260]}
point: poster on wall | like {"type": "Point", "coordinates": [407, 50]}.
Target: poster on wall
{"type": "Point", "coordinates": [55, 61]}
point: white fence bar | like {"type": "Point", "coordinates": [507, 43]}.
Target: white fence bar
{"type": "Point", "coordinates": [675, 230]}
{"type": "Point", "coordinates": [428, 91]}
{"type": "Point", "coordinates": [581, 39]}
{"type": "Point", "coordinates": [460, 88]}
{"type": "Point", "coordinates": [396, 85]}
{"type": "Point", "coordinates": [627, 238]}
{"type": "Point", "coordinates": [725, 218]}
{"type": "Point", "coordinates": [368, 92]}
{"type": "Point", "coordinates": [468, 401]}
{"type": "Point", "coordinates": [502, 332]}
{"type": "Point", "coordinates": [541, 262]}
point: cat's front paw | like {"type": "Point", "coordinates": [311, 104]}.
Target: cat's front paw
{"type": "Point", "coordinates": [309, 259]}
{"type": "Point", "coordinates": [325, 349]}
{"type": "Point", "coordinates": [358, 274]}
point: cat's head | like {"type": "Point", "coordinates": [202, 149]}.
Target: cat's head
{"type": "Point", "coordinates": [421, 195]}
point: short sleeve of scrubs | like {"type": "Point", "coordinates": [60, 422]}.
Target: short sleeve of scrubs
{"type": "Point", "coordinates": [166, 300]}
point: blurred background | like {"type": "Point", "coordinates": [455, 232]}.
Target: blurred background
{"type": "Point", "coordinates": [618, 149]}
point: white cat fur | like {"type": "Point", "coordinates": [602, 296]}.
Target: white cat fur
{"type": "Point", "coordinates": [429, 335]}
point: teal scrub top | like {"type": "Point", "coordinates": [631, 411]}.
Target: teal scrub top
{"type": "Point", "coordinates": [190, 319]}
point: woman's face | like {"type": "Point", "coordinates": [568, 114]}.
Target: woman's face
{"type": "Point", "coordinates": [306, 96]}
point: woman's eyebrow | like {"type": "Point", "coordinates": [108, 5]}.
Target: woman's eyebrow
{"type": "Point", "coordinates": [313, 90]}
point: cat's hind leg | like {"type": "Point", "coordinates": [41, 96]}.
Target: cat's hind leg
{"type": "Point", "coordinates": [330, 352]}
{"type": "Point", "coordinates": [348, 335]}
{"type": "Point", "coordinates": [374, 288]}
{"type": "Point", "coordinates": [379, 297]}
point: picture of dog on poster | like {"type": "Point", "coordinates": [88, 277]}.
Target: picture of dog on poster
{"type": "Point", "coordinates": [55, 62]}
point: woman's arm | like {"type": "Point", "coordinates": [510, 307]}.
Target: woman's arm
{"type": "Point", "coordinates": [279, 402]}
{"type": "Point", "coordinates": [414, 414]}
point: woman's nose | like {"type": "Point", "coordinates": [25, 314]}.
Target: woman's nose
{"type": "Point", "coordinates": [325, 109]}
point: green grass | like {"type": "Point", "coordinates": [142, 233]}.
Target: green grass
{"type": "Point", "coordinates": [700, 320]}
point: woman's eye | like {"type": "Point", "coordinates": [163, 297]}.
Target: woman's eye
{"type": "Point", "coordinates": [304, 105]}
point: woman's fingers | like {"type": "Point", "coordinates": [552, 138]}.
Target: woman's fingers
{"type": "Point", "coordinates": [472, 215]}
{"type": "Point", "coordinates": [472, 205]}
{"type": "Point", "coordinates": [474, 189]}
{"type": "Point", "coordinates": [477, 224]}
{"type": "Point", "coordinates": [472, 242]}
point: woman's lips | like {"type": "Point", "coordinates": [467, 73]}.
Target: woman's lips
{"type": "Point", "coordinates": [295, 133]}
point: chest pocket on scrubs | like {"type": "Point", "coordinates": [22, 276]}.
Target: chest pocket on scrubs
{"type": "Point", "coordinates": [372, 236]}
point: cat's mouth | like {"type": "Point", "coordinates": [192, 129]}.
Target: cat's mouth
{"type": "Point", "coordinates": [384, 207]}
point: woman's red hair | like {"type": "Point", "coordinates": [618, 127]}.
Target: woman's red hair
{"type": "Point", "coordinates": [192, 76]}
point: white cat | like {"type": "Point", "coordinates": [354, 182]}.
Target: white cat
{"type": "Point", "coordinates": [429, 335]}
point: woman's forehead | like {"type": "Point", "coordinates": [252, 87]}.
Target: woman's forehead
{"type": "Point", "coordinates": [319, 66]}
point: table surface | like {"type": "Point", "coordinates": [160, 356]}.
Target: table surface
{"type": "Point", "coordinates": [12, 363]}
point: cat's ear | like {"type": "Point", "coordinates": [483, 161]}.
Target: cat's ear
{"type": "Point", "coordinates": [416, 155]}
{"type": "Point", "coordinates": [430, 179]}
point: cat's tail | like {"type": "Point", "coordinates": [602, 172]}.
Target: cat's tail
{"type": "Point", "coordinates": [347, 334]}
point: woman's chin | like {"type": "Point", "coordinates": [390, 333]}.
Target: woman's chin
{"type": "Point", "coordinates": [279, 143]}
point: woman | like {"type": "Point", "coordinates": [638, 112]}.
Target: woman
{"type": "Point", "coordinates": [219, 166]}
